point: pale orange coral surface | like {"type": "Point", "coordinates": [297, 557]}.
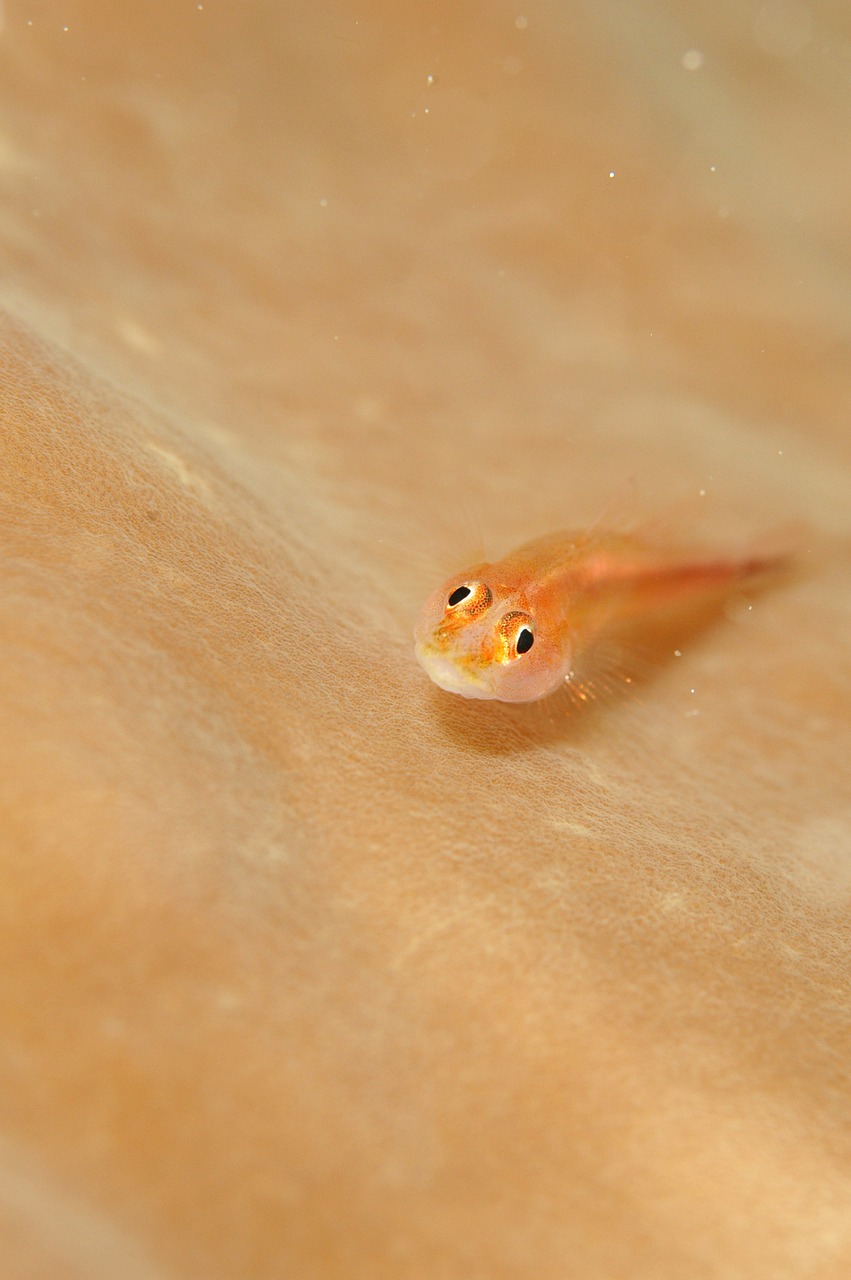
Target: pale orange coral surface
{"type": "Point", "coordinates": [306, 967]}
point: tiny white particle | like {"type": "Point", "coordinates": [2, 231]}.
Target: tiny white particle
{"type": "Point", "coordinates": [425, 111]}
{"type": "Point", "coordinates": [692, 59]}
{"type": "Point", "coordinates": [702, 493]}
{"type": "Point", "coordinates": [678, 653]}
{"type": "Point", "coordinates": [66, 28]}
{"type": "Point", "coordinates": [780, 453]}
{"type": "Point", "coordinates": [431, 79]}
{"type": "Point", "coordinates": [611, 173]}
{"type": "Point", "coordinates": [712, 168]}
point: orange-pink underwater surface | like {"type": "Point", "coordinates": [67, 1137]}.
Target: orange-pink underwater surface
{"type": "Point", "coordinates": [309, 968]}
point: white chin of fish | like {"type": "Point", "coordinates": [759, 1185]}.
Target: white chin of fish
{"type": "Point", "coordinates": [447, 676]}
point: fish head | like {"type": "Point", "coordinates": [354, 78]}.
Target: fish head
{"type": "Point", "coordinates": [480, 638]}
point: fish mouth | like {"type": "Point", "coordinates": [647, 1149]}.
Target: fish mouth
{"type": "Point", "coordinates": [450, 675]}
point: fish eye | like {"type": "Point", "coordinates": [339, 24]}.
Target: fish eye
{"type": "Point", "coordinates": [525, 640]}
{"type": "Point", "coordinates": [515, 635]}
{"type": "Point", "coordinates": [471, 598]}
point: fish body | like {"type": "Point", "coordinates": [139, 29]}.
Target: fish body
{"type": "Point", "coordinates": [515, 629]}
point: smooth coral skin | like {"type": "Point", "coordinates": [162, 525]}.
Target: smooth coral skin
{"type": "Point", "coordinates": [307, 968]}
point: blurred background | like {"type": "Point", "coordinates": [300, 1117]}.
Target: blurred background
{"type": "Point", "coordinates": [308, 969]}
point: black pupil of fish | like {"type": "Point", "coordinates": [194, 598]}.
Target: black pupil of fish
{"type": "Point", "coordinates": [459, 594]}
{"type": "Point", "coordinates": [525, 640]}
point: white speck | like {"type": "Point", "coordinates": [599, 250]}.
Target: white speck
{"type": "Point", "coordinates": [780, 453]}
{"type": "Point", "coordinates": [521, 23]}
{"type": "Point", "coordinates": [425, 111]}
{"type": "Point", "coordinates": [712, 168]}
{"type": "Point", "coordinates": [702, 493]}
{"type": "Point", "coordinates": [611, 173]}
{"type": "Point", "coordinates": [66, 28]}
{"type": "Point", "coordinates": [678, 653]}
{"type": "Point", "coordinates": [692, 59]}
{"type": "Point", "coordinates": [691, 690]}
{"type": "Point", "coordinates": [431, 79]}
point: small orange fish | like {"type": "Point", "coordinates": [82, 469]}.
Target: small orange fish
{"type": "Point", "coordinates": [517, 630]}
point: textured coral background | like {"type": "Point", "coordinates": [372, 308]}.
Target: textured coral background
{"type": "Point", "coordinates": [306, 968]}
